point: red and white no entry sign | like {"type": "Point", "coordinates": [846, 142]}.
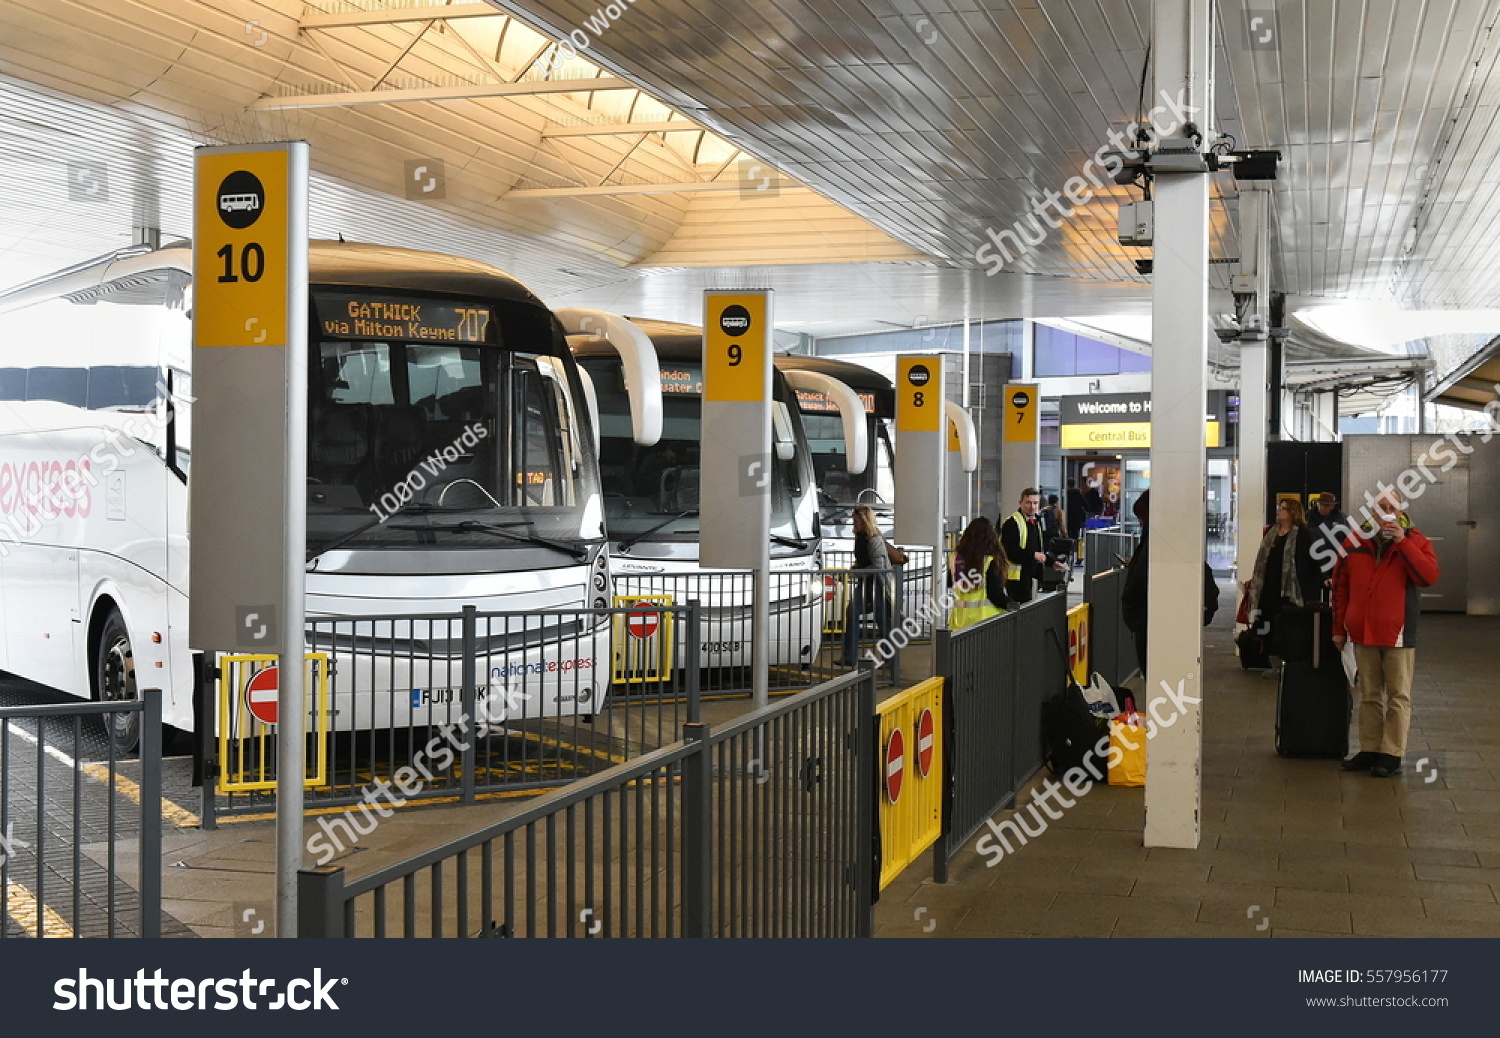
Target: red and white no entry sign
{"type": "Point", "coordinates": [642, 621]}
{"type": "Point", "coordinates": [895, 765]}
{"type": "Point", "coordinates": [926, 740]}
{"type": "Point", "coordinates": [260, 695]}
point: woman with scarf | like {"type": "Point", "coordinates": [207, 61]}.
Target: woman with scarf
{"type": "Point", "coordinates": [1285, 571]}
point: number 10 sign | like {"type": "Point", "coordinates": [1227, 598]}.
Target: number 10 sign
{"type": "Point", "coordinates": [243, 211]}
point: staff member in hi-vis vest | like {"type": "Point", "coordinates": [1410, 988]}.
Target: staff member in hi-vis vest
{"type": "Point", "coordinates": [1021, 537]}
{"type": "Point", "coordinates": [977, 576]}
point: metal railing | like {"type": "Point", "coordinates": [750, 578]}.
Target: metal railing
{"type": "Point", "coordinates": [818, 621]}
{"type": "Point", "coordinates": [997, 674]}
{"type": "Point", "coordinates": [467, 703]}
{"type": "Point", "coordinates": [64, 818]}
{"type": "Point", "coordinates": [1111, 645]}
{"type": "Point", "coordinates": [763, 828]}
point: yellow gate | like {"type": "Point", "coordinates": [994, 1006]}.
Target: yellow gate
{"type": "Point", "coordinates": [911, 761]}
{"type": "Point", "coordinates": [247, 689]}
{"type": "Point", "coordinates": [641, 640]}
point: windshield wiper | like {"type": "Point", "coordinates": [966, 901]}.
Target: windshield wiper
{"type": "Point", "coordinates": [499, 530]}
{"type": "Point", "coordinates": [625, 544]}
{"type": "Point", "coordinates": [344, 538]}
{"type": "Point", "coordinates": [790, 542]}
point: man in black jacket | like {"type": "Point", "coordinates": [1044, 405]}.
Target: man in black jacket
{"type": "Point", "coordinates": [1133, 596]}
{"type": "Point", "coordinates": [1021, 536]}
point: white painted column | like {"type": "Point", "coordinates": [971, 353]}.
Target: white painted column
{"type": "Point", "coordinates": [1179, 386]}
{"type": "Point", "coordinates": [1250, 506]}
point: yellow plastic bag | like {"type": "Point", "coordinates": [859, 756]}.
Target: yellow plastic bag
{"type": "Point", "coordinates": [1127, 751]}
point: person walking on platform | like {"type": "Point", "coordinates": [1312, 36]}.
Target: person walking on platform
{"type": "Point", "coordinates": [869, 582]}
{"type": "Point", "coordinates": [1375, 606]}
{"type": "Point", "coordinates": [1075, 509]}
{"type": "Point", "coordinates": [1133, 594]}
{"type": "Point", "coordinates": [1021, 537]}
{"type": "Point", "coordinates": [1285, 571]}
{"type": "Point", "coordinates": [978, 565]}
{"type": "Point", "coordinates": [1328, 523]}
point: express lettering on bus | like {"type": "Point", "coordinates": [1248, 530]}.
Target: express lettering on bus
{"type": "Point", "coordinates": [54, 488]}
{"type": "Point", "coordinates": [542, 667]}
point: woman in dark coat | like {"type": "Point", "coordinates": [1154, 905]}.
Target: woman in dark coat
{"type": "Point", "coordinates": [1285, 571]}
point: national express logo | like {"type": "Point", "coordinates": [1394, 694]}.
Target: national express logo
{"type": "Point", "coordinates": [46, 489]}
{"type": "Point", "coordinates": [919, 375]}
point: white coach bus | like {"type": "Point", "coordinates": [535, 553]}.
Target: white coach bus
{"type": "Point", "coordinates": [651, 495]}
{"type": "Point", "coordinates": [450, 462]}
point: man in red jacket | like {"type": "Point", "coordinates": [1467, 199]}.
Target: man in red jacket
{"type": "Point", "coordinates": [1375, 606]}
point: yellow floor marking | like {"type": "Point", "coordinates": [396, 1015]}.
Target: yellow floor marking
{"type": "Point", "coordinates": [423, 801]}
{"type": "Point", "coordinates": [178, 816]}
{"type": "Point", "coordinates": [21, 906]}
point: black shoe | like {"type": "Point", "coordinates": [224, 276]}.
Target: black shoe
{"type": "Point", "coordinates": [1364, 760]}
{"type": "Point", "coordinates": [1389, 765]}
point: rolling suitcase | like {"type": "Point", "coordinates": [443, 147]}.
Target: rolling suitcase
{"type": "Point", "coordinates": [1312, 700]}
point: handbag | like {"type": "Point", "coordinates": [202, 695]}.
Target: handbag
{"type": "Point", "coordinates": [895, 554]}
{"type": "Point", "coordinates": [1242, 615]}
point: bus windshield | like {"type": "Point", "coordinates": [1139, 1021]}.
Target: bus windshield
{"type": "Point", "coordinates": [651, 493]}
{"type": "Point", "coordinates": [464, 442]}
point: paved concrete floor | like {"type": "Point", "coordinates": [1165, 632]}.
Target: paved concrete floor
{"type": "Point", "coordinates": [1290, 848]}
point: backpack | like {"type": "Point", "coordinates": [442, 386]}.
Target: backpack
{"type": "Point", "coordinates": [1071, 732]}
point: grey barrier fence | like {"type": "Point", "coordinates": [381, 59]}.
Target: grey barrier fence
{"type": "Point", "coordinates": [64, 815]}
{"type": "Point", "coordinates": [763, 828]}
{"type": "Point", "coordinates": [1102, 550]}
{"type": "Point", "coordinates": [997, 673]}
{"type": "Point", "coordinates": [475, 702]}
{"type": "Point", "coordinates": [1111, 645]}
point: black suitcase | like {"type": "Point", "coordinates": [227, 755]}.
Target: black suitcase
{"type": "Point", "coordinates": [1253, 652]}
{"type": "Point", "coordinates": [1312, 700]}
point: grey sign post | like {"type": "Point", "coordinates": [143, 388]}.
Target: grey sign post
{"type": "Point", "coordinates": [247, 519]}
{"type": "Point", "coordinates": [735, 459]}
{"type": "Point", "coordinates": [921, 456]}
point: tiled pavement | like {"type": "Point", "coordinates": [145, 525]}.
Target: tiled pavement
{"type": "Point", "coordinates": [1290, 848]}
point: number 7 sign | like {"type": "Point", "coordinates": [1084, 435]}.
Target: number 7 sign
{"type": "Point", "coordinates": [1020, 414]}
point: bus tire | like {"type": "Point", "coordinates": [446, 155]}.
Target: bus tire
{"type": "Point", "coordinates": [114, 676]}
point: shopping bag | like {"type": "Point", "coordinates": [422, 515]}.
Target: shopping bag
{"type": "Point", "coordinates": [1127, 748]}
{"type": "Point", "coordinates": [1100, 696]}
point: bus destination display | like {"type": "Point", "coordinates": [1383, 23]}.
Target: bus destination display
{"type": "Point", "coordinates": [419, 320]}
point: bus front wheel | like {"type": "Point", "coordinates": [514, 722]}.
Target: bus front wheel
{"type": "Point", "coordinates": [114, 681]}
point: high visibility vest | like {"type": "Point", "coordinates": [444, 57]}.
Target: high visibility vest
{"type": "Point", "coordinates": [972, 606]}
{"type": "Point", "coordinates": [1023, 534]}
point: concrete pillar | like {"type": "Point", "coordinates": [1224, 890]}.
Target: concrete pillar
{"type": "Point", "coordinates": [1250, 508]}
{"type": "Point", "coordinates": [1179, 386]}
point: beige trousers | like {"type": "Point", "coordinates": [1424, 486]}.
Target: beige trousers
{"type": "Point", "coordinates": [1384, 697]}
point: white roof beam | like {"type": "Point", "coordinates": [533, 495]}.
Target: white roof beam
{"type": "Point", "coordinates": [621, 129]}
{"type": "Point", "coordinates": [342, 19]}
{"type": "Point", "coordinates": [625, 189]}
{"type": "Point", "coordinates": [441, 93]}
